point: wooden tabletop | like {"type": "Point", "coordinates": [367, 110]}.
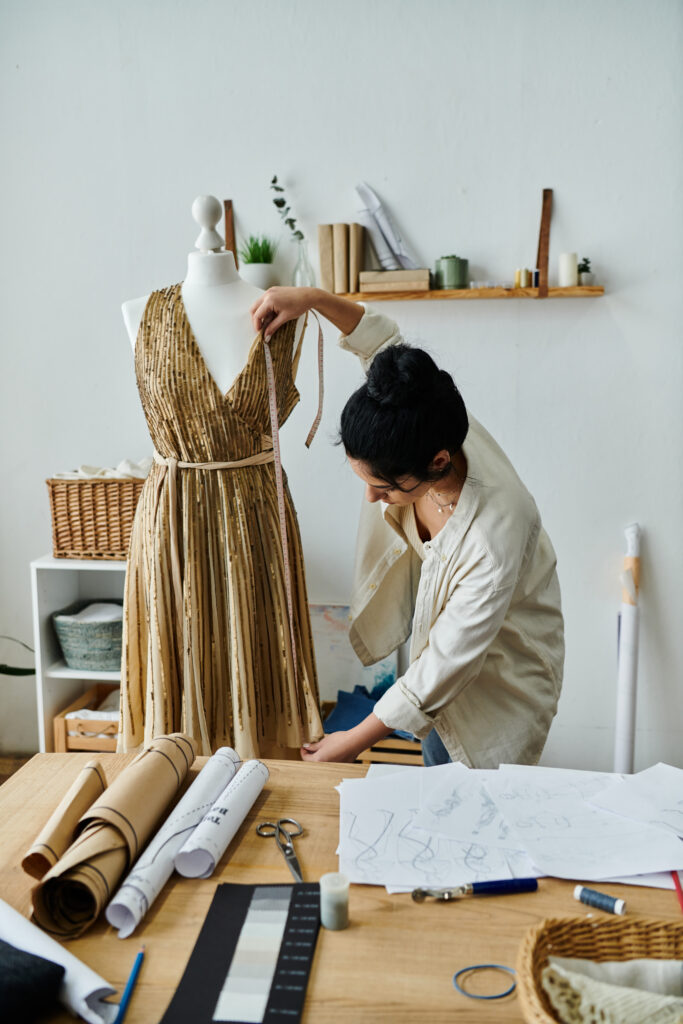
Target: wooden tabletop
{"type": "Point", "coordinates": [393, 965]}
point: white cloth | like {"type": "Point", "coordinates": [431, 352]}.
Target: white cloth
{"type": "Point", "coordinates": [627, 992]}
{"type": "Point", "coordinates": [487, 646]}
{"type": "Point", "coordinates": [99, 611]}
{"type": "Point", "coordinates": [125, 470]}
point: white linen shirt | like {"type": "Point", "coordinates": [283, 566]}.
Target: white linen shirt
{"type": "Point", "coordinates": [487, 645]}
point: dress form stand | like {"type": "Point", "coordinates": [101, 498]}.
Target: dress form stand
{"type": "Point", "coordinates": [216, 299]}
{"type": "Point", "coordinates": [208, 589]}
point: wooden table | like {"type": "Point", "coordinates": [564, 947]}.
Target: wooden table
{"type": "Point", "coordinates": [393, 964]}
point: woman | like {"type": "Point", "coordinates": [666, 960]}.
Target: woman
{"type": "Point", "coordinates": [450, 549]}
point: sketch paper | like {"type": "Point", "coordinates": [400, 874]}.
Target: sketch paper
{"type": "Point", "coordinates": [548, 810]}
{"type": "Point", "coordinates": [380, 844]}
{"type": "Point", "coordinates": [82, 991]}
{"type": "Point", "coordinates": [208, 842]}
{"type": "Point", "coordinates": [153, 869]}
{"type": "Point", "coordinates": [654, 796]}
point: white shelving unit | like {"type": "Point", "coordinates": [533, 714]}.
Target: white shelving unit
{"type": "Point", "coordinates": [55, 584]}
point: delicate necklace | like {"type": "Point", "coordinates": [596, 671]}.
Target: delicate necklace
{"type": "Point", "coordinates": [450, 505]}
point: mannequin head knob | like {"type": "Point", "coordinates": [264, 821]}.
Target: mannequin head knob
{"type": "Point", "coordinates": [207, 211]}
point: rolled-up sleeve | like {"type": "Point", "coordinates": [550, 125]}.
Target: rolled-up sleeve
{"type": "Point", "coordinates": [373, 332]}
{"type": "Point", "coordinates": [458, 642]}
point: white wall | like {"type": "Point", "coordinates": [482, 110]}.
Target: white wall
{"type": "Point", "coordinates": [115, 115]}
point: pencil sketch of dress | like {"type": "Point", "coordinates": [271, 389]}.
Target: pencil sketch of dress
{"type": "Point", "coordinates": [220, 666]}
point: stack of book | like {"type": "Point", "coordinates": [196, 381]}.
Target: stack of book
{"type": "Point", "coordinates": [394, 280]}
{"type": "Point", "coordinates": [341, 256]}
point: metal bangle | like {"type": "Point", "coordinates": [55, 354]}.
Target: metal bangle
{"type": "Point", "coordinates": [484, 967]}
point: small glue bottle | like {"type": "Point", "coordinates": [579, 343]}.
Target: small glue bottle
{"type": "Point", "coordinates": [600, 900]}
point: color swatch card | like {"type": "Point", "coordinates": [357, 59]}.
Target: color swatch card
{"type": "Point", "coordinates": [251, 962]}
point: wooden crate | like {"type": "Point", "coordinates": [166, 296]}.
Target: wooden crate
{"type": "Point", "coordinates": [90, 699]}
{"type": "Point", "coordinates": [393, 750]}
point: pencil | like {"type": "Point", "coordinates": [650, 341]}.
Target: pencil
{"type": "Point", "coordinates": [679, 890]}
{"type": "Point", "coordinates": [130, 985]}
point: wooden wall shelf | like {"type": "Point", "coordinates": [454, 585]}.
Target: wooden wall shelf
{"type": "Point", "coordinates": [580, 292]}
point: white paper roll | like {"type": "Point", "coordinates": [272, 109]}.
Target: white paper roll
{"type": "Point", "coordinates": [153, 869]}
{"type": "Point", "coordinates": [627, 673]}
{"type": "Point", "coordinates": [210, 839]}
{"type": "Point", "coordinates": [83, 992]}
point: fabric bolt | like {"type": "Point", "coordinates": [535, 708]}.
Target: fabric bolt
{"type": "Point", "coordinates": [483, 609]}
{"type": "Point", "coordinates": [221, 667]}
{"type": "Point", "coordinates": [29, 984]}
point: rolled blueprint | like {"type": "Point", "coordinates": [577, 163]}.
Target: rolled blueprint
{"type": "Point", "coordinates": [627, 669]}
{"type": "Point", "coordinates": [82, 991]}
{"type": "Point", "coordinates": [386, 227]}
{"type": "Point", "coordinates": [151, 872]}
{"type": "Point", "coordinates": [57, 835]}
{"type": "Point", "coordinates": [111, 836]}
{"type": "Point", "coordinates": [210, 839]}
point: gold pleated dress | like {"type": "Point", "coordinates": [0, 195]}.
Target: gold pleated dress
{"type": "Point", "coordinates": [220, 666]}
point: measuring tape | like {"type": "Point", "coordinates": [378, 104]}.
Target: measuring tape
{"type": "Point", "coordinates": [279, 483]}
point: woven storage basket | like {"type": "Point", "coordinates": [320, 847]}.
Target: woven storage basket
{"type": "Point", "coordinates": [92, 518]}
{"type": "Point", "coordinates": [618, 939]}
{"type": "Point", "coordinates": [94, 646]}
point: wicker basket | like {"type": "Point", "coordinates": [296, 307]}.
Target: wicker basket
{"type": "Point", "coordinates": [618, 939]}
{"type": "Point", "coordinates": [93, 646]}
{"type": "Point", "coordinates": [92, 518]}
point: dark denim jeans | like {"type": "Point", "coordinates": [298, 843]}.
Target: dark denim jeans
{"type": "Point", "coordinates": [433, 750]}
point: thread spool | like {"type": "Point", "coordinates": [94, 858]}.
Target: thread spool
{"type": "Point", "coordinates": [334, 901]}
{"type": "Point", "coordinates": [599, 900]}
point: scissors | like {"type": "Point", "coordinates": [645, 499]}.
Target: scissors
{"type": "Point", "coordinates": [283, 838]}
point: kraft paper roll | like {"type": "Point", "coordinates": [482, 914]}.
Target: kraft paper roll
{"type": "Point", "coordinates": [110, 837]}
{"type": "Point", "coordinates": [155, 866]}
{"type": "Point", "coordinates": [56, 837]}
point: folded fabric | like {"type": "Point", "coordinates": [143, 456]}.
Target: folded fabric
{"type": "Point", "coordinates": [55, 838]}
{"type": "Point", "coordinates": [100, 716]}
{"type": "Point", "coordinates": [98, 611]}
{"type": "Point", "coordinates": [580, 998]}
{"type": "Point", "coordinates": [82, 991]}
{"type": "Point", "coordinates": [29, 984]}
{"type": "Point", "coordinates": [352, 708]}
{"type": "Point", "coordinates": [125, 470]}
{"type": "Point", "coordinates": [110, 837]}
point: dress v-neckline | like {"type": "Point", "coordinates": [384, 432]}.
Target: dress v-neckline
{"type": "Point", "coordinates": [226, 396]}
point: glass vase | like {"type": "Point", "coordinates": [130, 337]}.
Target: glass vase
{"type": "Point", "coordinates": [304, 275]}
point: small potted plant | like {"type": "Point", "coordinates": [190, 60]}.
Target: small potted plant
{"type": "Point", "coordinates": [586, 276]}
{"type": "Point", "coordinates": [256, 261]}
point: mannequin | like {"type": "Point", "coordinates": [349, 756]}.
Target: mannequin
{"type": "Point", "coordinates": [216, 635]}
{"type": "Point", "coordinates": [216, 301]}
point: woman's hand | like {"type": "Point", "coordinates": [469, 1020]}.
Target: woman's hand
{"type": "Point", "coordinates": [278, 305]}
{"type": "Point", "coordinates": [347, 745]}
{"type": "Point", "coordinates": [336, 746]}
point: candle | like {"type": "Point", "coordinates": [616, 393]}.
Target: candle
{"type": "Point", "coordinates": [568, 270]}
{"type": "Point", "coordinates": [334, 901]}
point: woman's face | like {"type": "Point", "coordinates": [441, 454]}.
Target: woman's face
{"type": "Point", "coordinates": [379, 490]}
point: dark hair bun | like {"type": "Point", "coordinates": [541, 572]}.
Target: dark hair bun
{"type": "Point", "coordinates": [401, 376]}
